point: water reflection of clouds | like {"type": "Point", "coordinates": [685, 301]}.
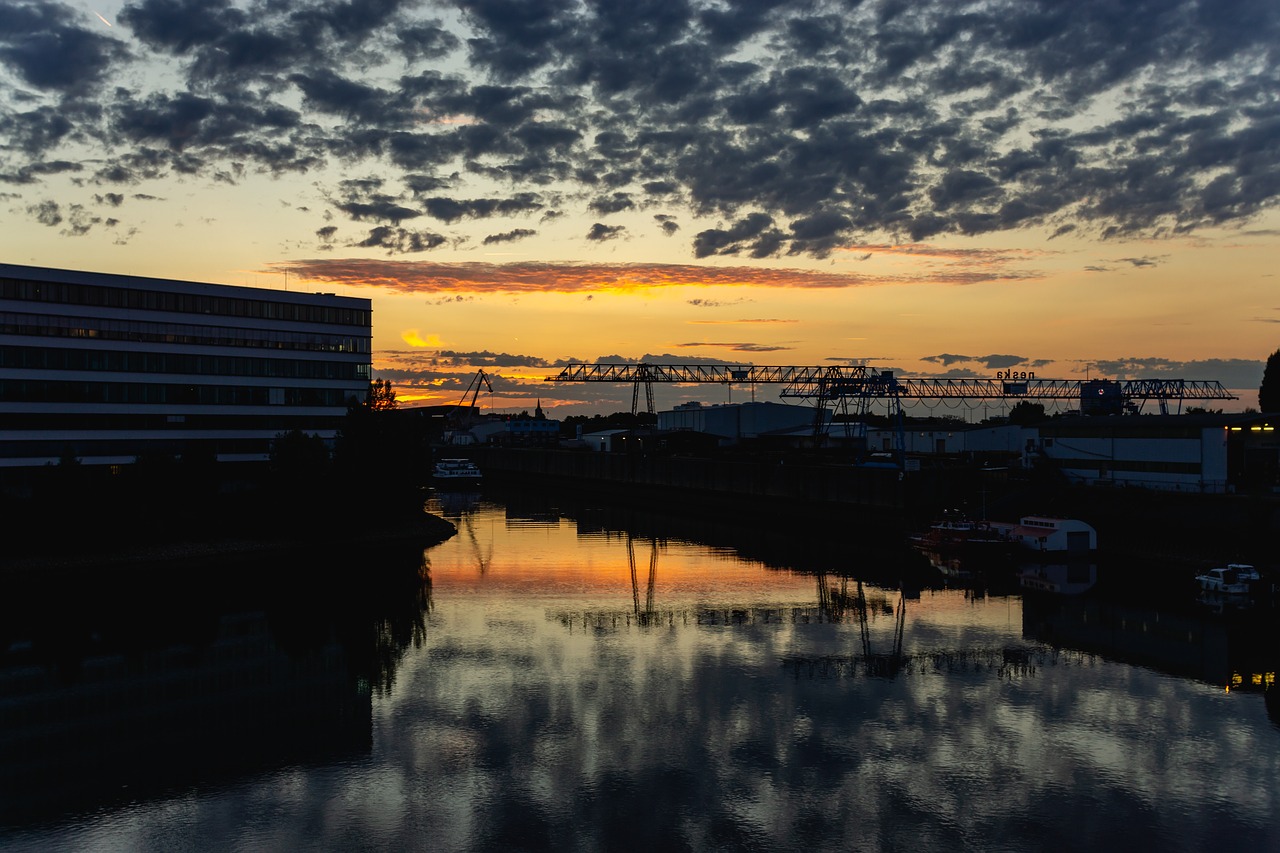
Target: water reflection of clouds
{"type": "Point", "coordinates": [715, 735]}
{"type": "Point", "coordinates": [508, 728]}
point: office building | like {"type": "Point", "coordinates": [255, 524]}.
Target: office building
{"type": "Point", "coordinates": [106, 368]}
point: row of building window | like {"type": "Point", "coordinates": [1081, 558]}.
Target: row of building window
{"type": "Point", "coordinates": [131, 447]}
{"type": "Point", "coordinates": [1132, 429]}
{"type": "Point", "coordinates": [123, 361]}
{"type": "Point", "coordinates": [1127, 466]}
{"type": "Point", "coordinates": [183, 303]}
{"type": "Point", "coordinates": [44, 325]}
{"type": "Point", "coordinates": [140, 422]}
{"type": "Point", "coordinates": [143, 393]}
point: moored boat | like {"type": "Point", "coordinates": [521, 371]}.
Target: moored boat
{"type": "Point", "coordinates": [456, 473]}
{"type": "Point", "coordinates": [955, 533]}
{"type": "Point", "coordinates": [1231, 579]}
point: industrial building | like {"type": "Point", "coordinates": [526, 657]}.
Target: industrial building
{"type": "Point", "coordinates": [106, 368]}
{"type": "Point", "coordinates": [738, 421]}
{"type": "Point", "coordinates": [1187, 453]}
{"type": "Point", "coordinates": [953, 438]}
{"type": "Point", "coordinates": [1206, 453]}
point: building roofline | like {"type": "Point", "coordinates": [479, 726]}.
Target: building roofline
{"type": "Point", "coordinates": [136, 282]}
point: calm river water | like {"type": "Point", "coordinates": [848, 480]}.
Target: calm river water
{"type": "Point", "coordinates": [579, 679]}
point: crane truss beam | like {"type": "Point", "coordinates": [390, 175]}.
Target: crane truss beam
{"type": "Point", "coordinates": [714, 373]}
{"type": "Point", "coordinates": [989, 389]}
{"type": "Point", "coordinates": [863, 381]}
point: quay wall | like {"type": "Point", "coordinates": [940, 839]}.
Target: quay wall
{"type": "Point", "coordinates": [877, 490]}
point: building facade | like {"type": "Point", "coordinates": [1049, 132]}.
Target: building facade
{"type": "Point", "coordinates": [1180, 453]}
{"type": "Point", "coordinates": [106, 368]}
{"type": "Point", "coordinates": [738, 421]}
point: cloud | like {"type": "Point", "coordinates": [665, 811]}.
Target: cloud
{"type": "Point", "coordinates": [786, 129]}
{"type": "Point", "coordinates": [737, 346]}
{"type": "Point", "coordinates": [399, 241]}
{"type": "Point", "coordinates": [600, 232]}
{"type": "Point", "coordinates": [947, 359]}
{"type": "Point", "coordinates": [535, 277]}
{"type": "Point", "coordinates": [701, 302]}
{"type": "Point", "coordinates": [509, 236]}
{"type": "Point", "coordinates": [414, 339]}
{"type": "Point", "coordinates": [1239, 373]}
{"type": "Point", "coordinates": [45, 46]}
{"type": "Point", "coordinates": [990, 362]}
{"type": "Point", "coordinates": [757, 322]}
{"type": "Point", "coordinates": [46, 212]}
{"type": "Point", "coordinates": [1140, 262]}
{"type": "Point", "coordinates": [667, 223]}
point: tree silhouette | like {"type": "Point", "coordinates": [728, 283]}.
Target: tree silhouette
{"type": "Point", "coordinates": [381, 395]}
{"type": "Point", "coordinates": [1269, 393]}
{"type": "Point", "coordinates": [1025, 413]}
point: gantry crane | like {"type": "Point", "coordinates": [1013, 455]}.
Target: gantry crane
{"type": "Point", "coordinates": [863, 383]}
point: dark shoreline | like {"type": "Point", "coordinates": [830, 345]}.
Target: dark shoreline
{"type": "Point", "coordinates": [1176, 528]}
{"type": "Point", "coordinates": [198, 552]}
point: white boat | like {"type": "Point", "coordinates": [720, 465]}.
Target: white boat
{"type": "Point", "coordinates": [1231, 579]}
{"type": "Point", "coordinates": [456, 472]}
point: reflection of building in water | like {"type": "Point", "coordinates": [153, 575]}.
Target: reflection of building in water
{"type": "Point", "coordinates": [1208, 648]}
{"type": "Point", "coordinates": [454, 503]}
{"type": "Point", "coordinates": [156, 722]}
{"type": "Point", "coordinates": [1071, 578]}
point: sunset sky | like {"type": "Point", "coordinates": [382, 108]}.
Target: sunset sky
{"type": "Point", "coordinates": [938, 187]}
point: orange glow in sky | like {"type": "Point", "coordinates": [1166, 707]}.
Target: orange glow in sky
{"type": "Point", "coordinates": [808, 185]}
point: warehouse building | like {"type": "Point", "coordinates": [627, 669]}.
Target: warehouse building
{"type": "Point", "coordinates": [106, 368]}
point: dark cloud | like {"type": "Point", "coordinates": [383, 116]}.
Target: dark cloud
{"type": "Point", "coordinates": [604, 205]}
{"type": "Point", "coordinates": [451, 210]}
{"type": "Point", "coordinates": [400, 240]}
{"type": "Point", "coordinates": [484, 358]}
{"type": "Point", "coordinates": [601, 232]}
{"type": "Point", "coordinates": [754, 233]}
{"type": "Point", "coordinates": [44, 44]}
{"type": "Point", "coordinates": [46, 212]}
{"type": "Point", "coordinates": [509, 236]}
{"type": "Point", "coordinates": [1241, 374]}
{"type": "Point", "coordinates": [80, 222]}
{"type": "Point", "coordinates": [714, 303]}
{"type": "Point", "coordinates": [739, 346]}
{"type": "Point", "coordinates": [990, 362]}
{"type": "Point", "coordinates": [841, 121]}
{"type": "Point", "coordinates": [997, 362]}
{"type": "Point", "coordinates": [947, 359]}
{"type": "Point", "coordinates": [667, 223]}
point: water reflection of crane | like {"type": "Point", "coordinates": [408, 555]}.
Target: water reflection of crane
{"type": "Point", "coordinates": [836, 603]}
{"type": "Point", "coordinates": [484, 556]}
{"type": "Point", "coordinates": [882, 664]}
{"type": "Point", "coordinates": [643, 617]}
